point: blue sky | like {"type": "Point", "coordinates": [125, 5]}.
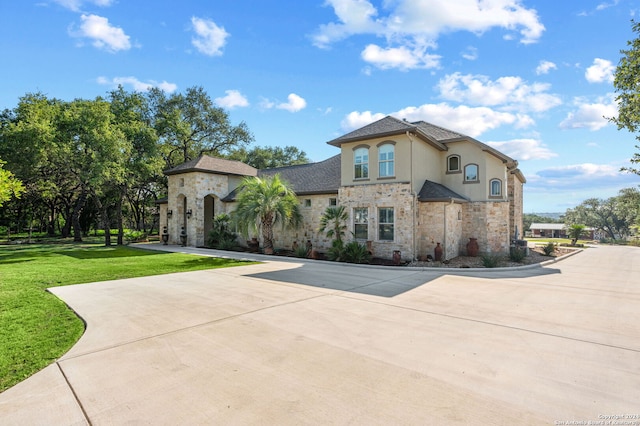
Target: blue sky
{"type": "Point", "coordinates": [531, 78]}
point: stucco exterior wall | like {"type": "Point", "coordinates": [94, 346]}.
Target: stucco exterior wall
{"type": "Point", "coordinates": [489, 167]}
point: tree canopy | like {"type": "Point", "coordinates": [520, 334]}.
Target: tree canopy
{"type": "Point", "coordinates": [97, 163]}
{"type": "Point", "coordinates": [616, 215]}
{"type": "Point", "coordinates": [9, 185]}
{"type": "Point", "coordinates": [627, 85]}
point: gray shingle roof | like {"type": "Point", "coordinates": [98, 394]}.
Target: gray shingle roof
{"type": "Point", "coordinates": [204, 163]}
{"type": "Point", "coordinates": [306, 179]}
{"type": "Point", "coordinates": [386, 126]}
{"type": "Point", "coordinates": [436, 132]}
{"type": "Point", "coordinates": [432, 191]}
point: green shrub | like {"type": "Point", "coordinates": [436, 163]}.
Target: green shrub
{"type": "Point", "coordinates": [516, 254]}
{"type": "Point", "coordinates": [549, 248]}
{"type": "Point", "coordinates": [132, 235]}
{"type": "Point", "coordinates": [336, 252]}
{"type": "Point", "coordinates": [301, 251]}
{"type": "Point", "coordinates": [490, 260]}
{"type": "Point", "coordinates": [227, 244]}
{"type": "Point", "coordinates": [354, 252]}
{"type": "Point", "coordinates": [220, 235]}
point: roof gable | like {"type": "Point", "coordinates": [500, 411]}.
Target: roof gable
{"type": "Point", "coordinates": [386, 126]}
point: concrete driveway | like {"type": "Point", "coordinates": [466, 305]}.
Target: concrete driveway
{"type": "Point", "coordinates": [326, 343]}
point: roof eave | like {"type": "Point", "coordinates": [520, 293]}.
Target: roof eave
{"type": "Point", "coordinates": [444, 200]}
{"type": "Point", "coordinates": [338, 142]}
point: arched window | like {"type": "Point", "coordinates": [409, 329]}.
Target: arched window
{"type": "Point", "coordinates": [386, 160]}
{"type": "Point", "coordinates": [361, 163]}
{"type": "Point", "coordinates": [495, 188]}
{"type": "Point", "coordinates": [453, 164]}
{"type": "Point", "coordinates": [471, 173]}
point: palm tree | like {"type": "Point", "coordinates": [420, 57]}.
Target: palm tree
{"type": "Point", "coordinates": [333, 222]}
{"type": "Point", "coordinates": [264, 202]}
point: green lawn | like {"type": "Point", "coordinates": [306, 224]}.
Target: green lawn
{"type": "Point", "coordinates": [36, 328]}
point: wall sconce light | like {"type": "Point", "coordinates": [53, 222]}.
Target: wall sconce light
{"type": "Point", "coordinates": [189, 213]}
{"type": "Point", "coordinates": [169, 213]}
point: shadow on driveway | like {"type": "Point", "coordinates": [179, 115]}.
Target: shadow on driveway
{"type": "Point", "coordinates": [384, 282]}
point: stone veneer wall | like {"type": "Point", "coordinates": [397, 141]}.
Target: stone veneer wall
{"type": "Point", "coordinates": [308, 231]}
{"type": "Point", "coordinates": [439, 222]}
{"type": "Point", "coordinates": [194, 186]}
{"type": "Point", "coordinates": [489, 223]}
{"type": "Point", "coordinates": [516, 208]}
{"type": "Point", "coordinates": [373, 196]}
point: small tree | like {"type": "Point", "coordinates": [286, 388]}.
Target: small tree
{"type": "Point", "coordinates": [575, 232]}
{"type": "Point", "coordinates": [333, 222]}
{"type": "Point", "coordinates": [221, 236]}
{"type": "Point", "coordinates": [264, 202]}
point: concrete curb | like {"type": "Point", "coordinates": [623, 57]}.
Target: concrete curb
{"type": "Point", "coordinates": [257, 257]}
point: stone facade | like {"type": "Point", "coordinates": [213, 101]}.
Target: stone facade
{"type": "Point", "coordinates": [375, 196]}
{"type": "Point", "coordinates": [432, 185]}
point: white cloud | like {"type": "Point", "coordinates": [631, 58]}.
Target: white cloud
{"type": "Point", "coordinates": [233, 99]}
{"type": "Point", "coordinates": [464, 119]}
{"type": "Point", "coordinates": [76, 5]}
{"type": "Point", "coordinates": [419, 19]}
{"type": "Point", "coordinates": [137, 85]}
{"type": "Point", "coordinates": [294, 104]}
{"type": "Point", "coordinates": [210, 38]}
{"type": "Point", "coordinates": [354, 120]}
{"type": "Point", "coordinates": [591, 116]}
{"type": "Point", "coordinates": [601, 71]}
{"type": "Point", "coordinates": [545, 66]}
{"type": "Point", "coordinates": [470, 53]}
{"type": "Point", "coordinates": [524, 149]}
{"type": "Point", "coordinates": [403, 57]}
{"type": "Point", "coordinates": [509, 93]}
{"type": "Point", "coordinates": [581, 176]}
{"type": "Point", "coordinates": [104, 35]}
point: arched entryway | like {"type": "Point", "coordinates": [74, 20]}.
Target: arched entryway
{"type": "Point", "coordinates": [209, 214]}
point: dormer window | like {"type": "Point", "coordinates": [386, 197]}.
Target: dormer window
{"type": "Point", "coordinates": [361, 163]}
{"type": "Point", "coordinates": [386, 160]}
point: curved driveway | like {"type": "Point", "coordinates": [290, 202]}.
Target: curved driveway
{"type": "Point", "coordinates": [325, 343]}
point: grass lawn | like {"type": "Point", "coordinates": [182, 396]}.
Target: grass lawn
{"type": "Point", "coordinates": [36, 328]}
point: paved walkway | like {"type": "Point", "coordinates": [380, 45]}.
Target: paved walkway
{"type": "Point", "coordinates": [290, 342]}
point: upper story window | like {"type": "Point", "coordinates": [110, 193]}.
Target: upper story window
{"type": "Point", "coordinates": [361, 163]}
{"type": "Point", "coordinates": [453, 164]}
{"type": "Point", "coordinates": [307, 202]}
{"type": "Point", "coordinates": [386, 160]}
{"type": "Point", "coordinates": [471, 173]}
{"type": "Point", "coordinates": [495, 188]}
{"type": "Point", "coordinates": [333, 201]}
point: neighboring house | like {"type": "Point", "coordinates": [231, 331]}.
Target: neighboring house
{"type": "Point", "coordinates": [407, 187]}
{"type": "Point", "coordinates": [559, 230]}
{"type": "Point", "coordinates": [548, 230]}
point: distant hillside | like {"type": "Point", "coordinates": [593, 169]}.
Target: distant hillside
{"type": "Point", "coordinates": [554, 216]}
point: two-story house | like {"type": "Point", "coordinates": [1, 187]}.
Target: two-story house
{"type": "Point", "coordinates": [407, 187]}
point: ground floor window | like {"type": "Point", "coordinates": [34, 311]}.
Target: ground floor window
{"type": "Point", "coordinates": [385, 223]}
{"type": "Point", "coordinates": [361, 223]}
